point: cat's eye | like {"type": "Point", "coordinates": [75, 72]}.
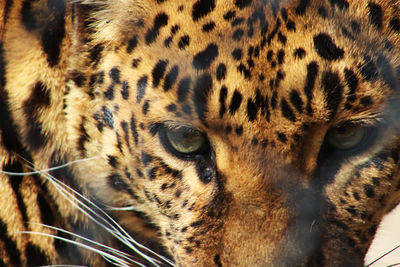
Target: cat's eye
{"type": "Point", "coordinates": [346, 137]}
{"type": "Point", "coordinates": [184, 141]}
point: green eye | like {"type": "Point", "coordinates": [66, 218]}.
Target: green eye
{"type": "Point", "coordinates": [345, 138]}
{"type": "Point", "coordinates": [186, 140]}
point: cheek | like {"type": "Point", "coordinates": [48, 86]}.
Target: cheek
{"type": "Point", "coordinates": [223, 153]}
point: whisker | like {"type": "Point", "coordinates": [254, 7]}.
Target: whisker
{"type": "Point", "coordinates": [47, 170]}
{"type": "Point", "coordinates": [113, 227]}
{"type": "Point", "coordinates": [113, 230]}
{"type": "Point", "coordinates": [112, 250]}
{"type": "Point", "coordinates": [384, 255]}
{"type": "Point", "coordinates": [128, 208]}
{"type": "Point", "coordinates": [61, 265]}
{"type": "Point", "coordinates": [114, 260]}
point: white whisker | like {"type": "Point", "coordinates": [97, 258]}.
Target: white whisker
{"type": "Point", "coordinates": [82, 206]}
{"type": "Point", "coordinates": [46, 170]}
{"type": "Point", "coordinates": [128, 208]}
{"type": "Point", "coordinates": [114, 260]}
{"type": "Point", "coordinates": [112, 250]}
{"type": "Point", "coordinates": [384, 255]}
{"type": "Point", "coordinates": [61, 265]}
{"type": "Point", "coordinates": [106, 222]}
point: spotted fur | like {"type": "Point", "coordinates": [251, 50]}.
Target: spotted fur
{"type": "Point", "coordinates": [265, 81]}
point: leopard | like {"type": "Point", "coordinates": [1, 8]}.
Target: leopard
{"type": "Point", "coordinates": [197, 132]}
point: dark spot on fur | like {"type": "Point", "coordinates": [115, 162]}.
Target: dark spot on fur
{"type": "Point", "coordinates": [202, 88]}
{"type": "Point", "coordinates": [141, 88]}
{"type": "Point", "coordinates": [284, 14]}
{"type": "Point", "coordinates": [160, 21]}
{"type": "Point", "coordinates": [394, 24]}
{"type": "Point", "coordinates": [366, 101]}
{"type": "Point", "coordinates": [109, 94]}
{"type": "Point", "coordinates": [145, 107]}
{"type": "Point", "coordinates": [183, 89]}
{"type": "Point", "coordinates": [208, 26]}
{"type": "Point", "coordinates": [135, 62]}
{"type": "Point", "coordinates": [83, 137]}
{"type": "Point", "coordinates": [187, 109]}
{"type": "Point", "coordinates": [158, 72]}
{"type": "Point", "coordinates": [235, 102]}
{"type": "Point", "coordinates": [15, 182]}
{"type": "Point", "coordinates": [341, 4]}
{"type": "Point", "coordinates": [239, 130]}
{"type": "Point", "coordinates": [252, 110]}
{"type": "Point", "coordinates": [132, 43]}
{"type": "Point", "coordinates": [326, 48]}
{"type": "Point", "coordinates": [168, 41]}
{"type": "Point", "coordinates": [115, 75]}
{"type": "Point", "coordinates": [229, 15]}
{"type": "Point", "coordinates": [35, 256]}
{"type": "Point", "coordinates": [9, 245]}
{"type": "Point", "coordinates": [242, 3]}
{"type": "Point", "coordinates": [221, 72]}
{"type": "Point", "coordinates": [296, 101]}
{"type": "Point", "coordinates": [333, 91]}
{"type": "Point", "coordinates": [125, 90]}
{"type": "Point", "coordinates": [217, 260]}
{"type": "Point", "coordinates": [281, 56]}
{"type": "Point", "coordinates": [244, 71]}
{"type": "Point", "coordinates": [237, 21]}
{"type": "Point", "coordinates": [352, 82]}
{"type": "Point", "coordinates": [152, 173]}
{"type": "Point", "coordinates": [184, 42]}
{"type": "Point", "coordinates": [146, 158]}
{"type": "Point", "coordinates": [171, 108]}
{"type": "Point", "coordinates": [282, 137]}
{"type": "Point", "coordinates": [95, 53]}
{"type": "Point", "coordinates": [125, 128]}
{"type": "Point", "coordinates": [112, 161]}
{"type": "Point", "coordinates": [355, 26]}
{"type": "Point", "coordinates": [282, 38]}
{"type": "Point", "coordinates": [78, 78]}
{"type": "Point", "coordinates": [171, 77]}
{"type": "Point", "coordinates": [312, 72]}
{"type": "Point", "coordinates": [375, 15]}
{"type": "Point", "coordinates": [301, 8]}
{"type": "Point", "coordinates": [35, 136]}
{"type": "Point", "coordinates": [202, 8]}
{"type": "Point", "coordinates": [387, 72]}
{"type": "Point", "coordinates": [322, 12]}
{"type": "Point", "coordinates": [222, 97]}
{"type": "Point", "coordinates": [228, 129]}
{"type": "Point", "coordinates": [291, 26]}
{"type": "Point", "coordinates": [54, 32]}
{"type": "Point", "coordinates": [28, 17]}
{"type": "Point", "coordinates": [369, 190]}
{"type": "Point", "coordinates": [116, 181]}
{"type": "Point", "coordinates": [237, 35]}
{"type": "Point", "coordinates": [368, 69]}
{"type": "Point", "coordinates": [287, 110]}
{"type": "Point", "coordinates": [237, 54]}
{"type": "Point", "coordinates": [203, 59]}
{"type": "Point", "coordinates": [108, 117]}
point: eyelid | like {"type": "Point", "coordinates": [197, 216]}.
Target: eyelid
{"type": "Point", "coordinates": [365, 122]}
{"type": "Point", "coordinates": [173, 125]}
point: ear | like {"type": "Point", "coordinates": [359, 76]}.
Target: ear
{"type": "Point", "coordinates": [105, 21]}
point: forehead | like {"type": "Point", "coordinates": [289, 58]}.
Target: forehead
{"type": "Point", "coordinates": [259, 67]}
